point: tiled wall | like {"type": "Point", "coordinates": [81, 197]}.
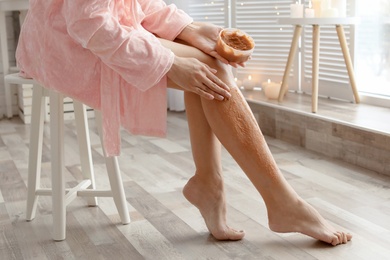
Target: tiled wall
{"type": "Point", "coordinates": [363, 148]}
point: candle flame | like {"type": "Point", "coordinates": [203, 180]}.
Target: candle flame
{"type": "Point", "coordinates": [269, 80]}
{"type": "Point", "coordinates": [235, 79]}
{"type": "Point", "coordinates": [310, 6]}
{"type": "Point", "coordinates": [250, 77]}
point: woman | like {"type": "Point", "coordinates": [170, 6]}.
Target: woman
{"type": "Point", "coordinates": [120, 55]}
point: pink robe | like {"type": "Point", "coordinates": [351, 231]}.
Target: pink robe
{"type": "Point", "coordinates": [105, 54]}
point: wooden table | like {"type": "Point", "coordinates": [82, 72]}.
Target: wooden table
{"type": "Point", "coordinates": [316, 23]}
{"type": "Point", "coordinates": [5, 6]}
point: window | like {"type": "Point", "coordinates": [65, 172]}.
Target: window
{"type": "Point", "coordinates": [210, 11]}
{"type": "Point", "coordinates": [372, 64]}
{"type": "Point", "coordinates": [369, 44]}
{"type": "Point", "coordinates": [257, 18]}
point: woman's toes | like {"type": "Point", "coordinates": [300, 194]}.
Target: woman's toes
{"type": "Point", "coordinates": [229, 234]}
{"type": "Point", "coordinates": [238, 235]}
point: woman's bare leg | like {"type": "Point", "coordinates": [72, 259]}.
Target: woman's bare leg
{"type": "Point", "coordinates": [233, 123]}
{"type": "Point", "coordinates": [206, 188]}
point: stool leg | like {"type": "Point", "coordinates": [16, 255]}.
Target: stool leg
{"type": "Point", "coordinates": [57, 165]}
{"type": "Point", "coordinates": [115, 178]}
{"type": "Point", "coordinates": [80, 112]}
{"type": "Point", "coordinates": [22, 17]}
{"type": "Point", "coordinates": [8, 99]}
{"type": "Point", "coordinates": [35, 151]}
{"type": "Point", "coordinates": [348, 61]}
{"type": "Point", "coordinates": [315, 71]}
{"type": "Point", "coordinates": [290, 61]}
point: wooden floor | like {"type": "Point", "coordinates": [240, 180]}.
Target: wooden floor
{"type": "Point", "coordinates": [164, 225]}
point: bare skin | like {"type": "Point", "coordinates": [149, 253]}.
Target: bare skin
{"type": "Point", "coordinates": [231, 122]}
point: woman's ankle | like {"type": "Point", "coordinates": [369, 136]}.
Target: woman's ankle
{"type": "Point", "coordinates": [208, 177]}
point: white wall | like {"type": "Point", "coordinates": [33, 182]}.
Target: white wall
{"type": "Point", "coordinates": [182, 4]}
{"type": "Point", "coordinates": [11, 47]}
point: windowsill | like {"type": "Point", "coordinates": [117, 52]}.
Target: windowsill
{"type": "Point", "coordinates": [362, 116]}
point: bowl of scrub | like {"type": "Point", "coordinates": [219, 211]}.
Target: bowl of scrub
{"type": "Point", "coordinates": [234, 45]}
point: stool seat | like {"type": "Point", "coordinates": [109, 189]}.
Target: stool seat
{"type": "Point", "coordinates": [61, 197]}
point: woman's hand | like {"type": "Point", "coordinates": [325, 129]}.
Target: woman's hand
{"type": "Point", "coordinates": [195, 76]}
{"type": "Point", "coordinates": [204, 36]}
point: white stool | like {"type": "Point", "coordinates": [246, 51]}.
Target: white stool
{"type": "Point", "coordinates": [61, 197]}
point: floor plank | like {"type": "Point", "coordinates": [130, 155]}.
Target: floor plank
{"type": "Point", "coordinates": [164, 225]}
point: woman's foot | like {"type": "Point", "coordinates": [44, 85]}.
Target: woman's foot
{"type": "Point", "coordinates": [209, 198]}
{"type": "Point", "coordinates": [303, 218]}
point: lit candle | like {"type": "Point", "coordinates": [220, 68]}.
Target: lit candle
{"type": "Point", "coordinates": [248, 83]}
{"type": "Point", "coordinates": [330, 13]}
{"type": "Point", "coordinates": [296, 10]}
{"type": "Point", "coordinates": [238, 82]}
{"type": "Point", "coordinates": [271, 89]}
{"type": "Point", "coordinates": [326, 4]}
{"type": "Point", "coordinates": [265, 84]}
{"type": "Point", "coordinates": [341, 6]}
{"type": "Point", "coordinates": [327, 10]}
{"type": "Point", "coordinates": [317, 8]}
{"type": "Point", "coordinates": [309, 12]}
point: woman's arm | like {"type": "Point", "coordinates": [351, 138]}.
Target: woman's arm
{"type": "Point", "coordinates": [204, 36]}
{"type": "Point", "coordinates": [136, 55]}
{"type": "Point", "coordinates": [166, 21]}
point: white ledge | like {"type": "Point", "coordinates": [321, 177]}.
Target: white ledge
{"type": "Point", "coordinates": [360, 116]}
{"type": "Point", "coordinates": [319, 21]}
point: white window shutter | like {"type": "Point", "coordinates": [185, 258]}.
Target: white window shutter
{"type": "Point", "coordinates": [259, 19]}
{"type": "Point", "coordinates": [215, 12]}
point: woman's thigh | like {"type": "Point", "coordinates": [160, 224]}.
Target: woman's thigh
{"type": "Point", "coordinates": [183, 50]}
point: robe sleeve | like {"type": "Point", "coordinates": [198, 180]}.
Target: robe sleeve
{"type": "Point", "coordinates": [134, 53]}
{"type": "Point", "coordinates": [166, 21]}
